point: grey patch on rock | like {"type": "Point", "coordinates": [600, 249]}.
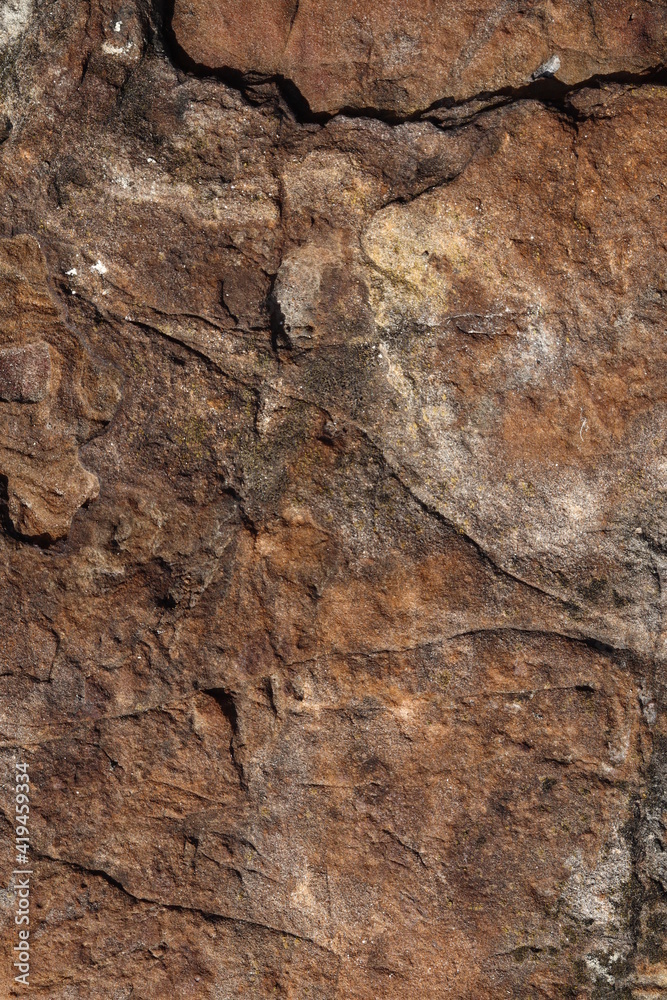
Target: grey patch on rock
{"type": "Point", "coordinates": [25, 373]}
{"type": "Point", "coordinates": [297, 291]}
{"type": "Point", "coordinates": [648, 704]}
{"type": "Point", "coordinates": [595, 896]}
{"type": "Point", "coordinates": [14, 18]}
{"type": "Point", "coordinates": [548, 68]}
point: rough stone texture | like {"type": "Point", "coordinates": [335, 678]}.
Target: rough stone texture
{"type": "Point", "coordinates": [334, 538]}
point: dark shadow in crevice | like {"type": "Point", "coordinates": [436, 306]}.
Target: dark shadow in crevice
{"type": "Point", "coordinates": [5, 520]}
{"type": "Point", "coordinates": [225, 702]}
{"type": "Point", "coordinates": [279, 337]}
{"type": "Point", "coordinates": [227, 706]}
{"type": "Point", "coordinates": [599, 647]}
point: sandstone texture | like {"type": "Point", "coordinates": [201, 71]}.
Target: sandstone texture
{"type": "Point", "coordinates": [332, 498]}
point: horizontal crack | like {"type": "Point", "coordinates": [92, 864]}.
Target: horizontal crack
{"type": "Point", "coordinates": [547, 90]}
{"type": "Point", "coordinates": [212, 915]}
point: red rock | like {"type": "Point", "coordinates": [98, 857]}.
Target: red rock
{"type": "Point", "coordinates": [333, 562]}
{"type": "Point", "coordinates": [401, 57]}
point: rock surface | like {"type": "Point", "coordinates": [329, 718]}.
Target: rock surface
{"type": "Point", "coordinates": [332, 489]}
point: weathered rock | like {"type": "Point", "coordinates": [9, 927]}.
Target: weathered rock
{"type": "Point", "coordinates": [402, 57]}
{"type": "Point", "coordinates": [46, 482]}
{"type": "Point", "coordinates": [333, 527]}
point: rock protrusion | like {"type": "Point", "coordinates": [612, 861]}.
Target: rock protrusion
{"type": "Point", "coordinates": [398, 57]}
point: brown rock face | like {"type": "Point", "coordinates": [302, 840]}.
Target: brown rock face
{"type": "Point", "coordinates": [401, 57]}
{"type": "Point", "coordinates": [333, 544]}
